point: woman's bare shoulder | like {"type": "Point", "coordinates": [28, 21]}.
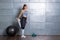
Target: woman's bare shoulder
{"type": "Point", "coordinates": [22, 10]}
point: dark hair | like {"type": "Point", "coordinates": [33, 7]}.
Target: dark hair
{"type": "Point", "coordinates": [24, 6]}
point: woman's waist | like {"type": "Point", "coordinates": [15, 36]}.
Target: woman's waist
{"type": "Point", "coordinates": [24, 17]}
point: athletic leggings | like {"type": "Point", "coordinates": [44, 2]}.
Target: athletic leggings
{"type": "Point", "coordinates": [23, 22]}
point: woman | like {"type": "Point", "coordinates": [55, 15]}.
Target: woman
{"type": "Point", "coordinates": [22, 18]}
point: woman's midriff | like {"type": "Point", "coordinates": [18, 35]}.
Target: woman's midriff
{"type": "Point", "coordinates": [25, 17]}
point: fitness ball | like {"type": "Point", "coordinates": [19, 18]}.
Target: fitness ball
{"type": "Point", "coordinates": [12, 30]}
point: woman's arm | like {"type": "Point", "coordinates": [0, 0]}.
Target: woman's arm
{"type": "Point", "coordinates": [19, 16]}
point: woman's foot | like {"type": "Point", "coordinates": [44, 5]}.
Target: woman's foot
{"type": "Point", "coordinates": [23, 36]}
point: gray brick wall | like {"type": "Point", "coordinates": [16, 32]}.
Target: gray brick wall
{"type": "Point", "coordinates": [43, 16]}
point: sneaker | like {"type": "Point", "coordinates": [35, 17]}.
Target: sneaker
{"type": "Point", "coordinates": [23, 36]}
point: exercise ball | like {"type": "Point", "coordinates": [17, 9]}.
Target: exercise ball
{"type": "Point", "coordinates": [12, 30]}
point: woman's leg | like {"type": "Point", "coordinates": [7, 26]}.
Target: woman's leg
{"type": "Point", "coordinates": [23, 23]}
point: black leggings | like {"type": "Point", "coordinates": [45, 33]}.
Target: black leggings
{"type": "Point", "coordinates": [23, 22]}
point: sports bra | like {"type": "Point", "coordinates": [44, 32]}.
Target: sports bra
{"type": "Point", "coordinates": [25, 14]}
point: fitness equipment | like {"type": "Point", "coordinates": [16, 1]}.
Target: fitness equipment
{"type": "Point", "coordinates": [34, 35]}
{"type": "Point", "coordinates": [12, 30]}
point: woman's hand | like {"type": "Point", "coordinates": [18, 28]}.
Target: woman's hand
{"type": "Point", "coordinates": [18, 19]}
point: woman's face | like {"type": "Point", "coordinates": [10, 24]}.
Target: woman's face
{"type": "Point", "coordinates": [26, 7]}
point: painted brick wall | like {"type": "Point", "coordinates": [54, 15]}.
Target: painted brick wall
{"type": "Point", "coordinates": [43, 16]}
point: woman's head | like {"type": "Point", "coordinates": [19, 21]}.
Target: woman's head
{"type": "Point", "coordinates": [25, 7]}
